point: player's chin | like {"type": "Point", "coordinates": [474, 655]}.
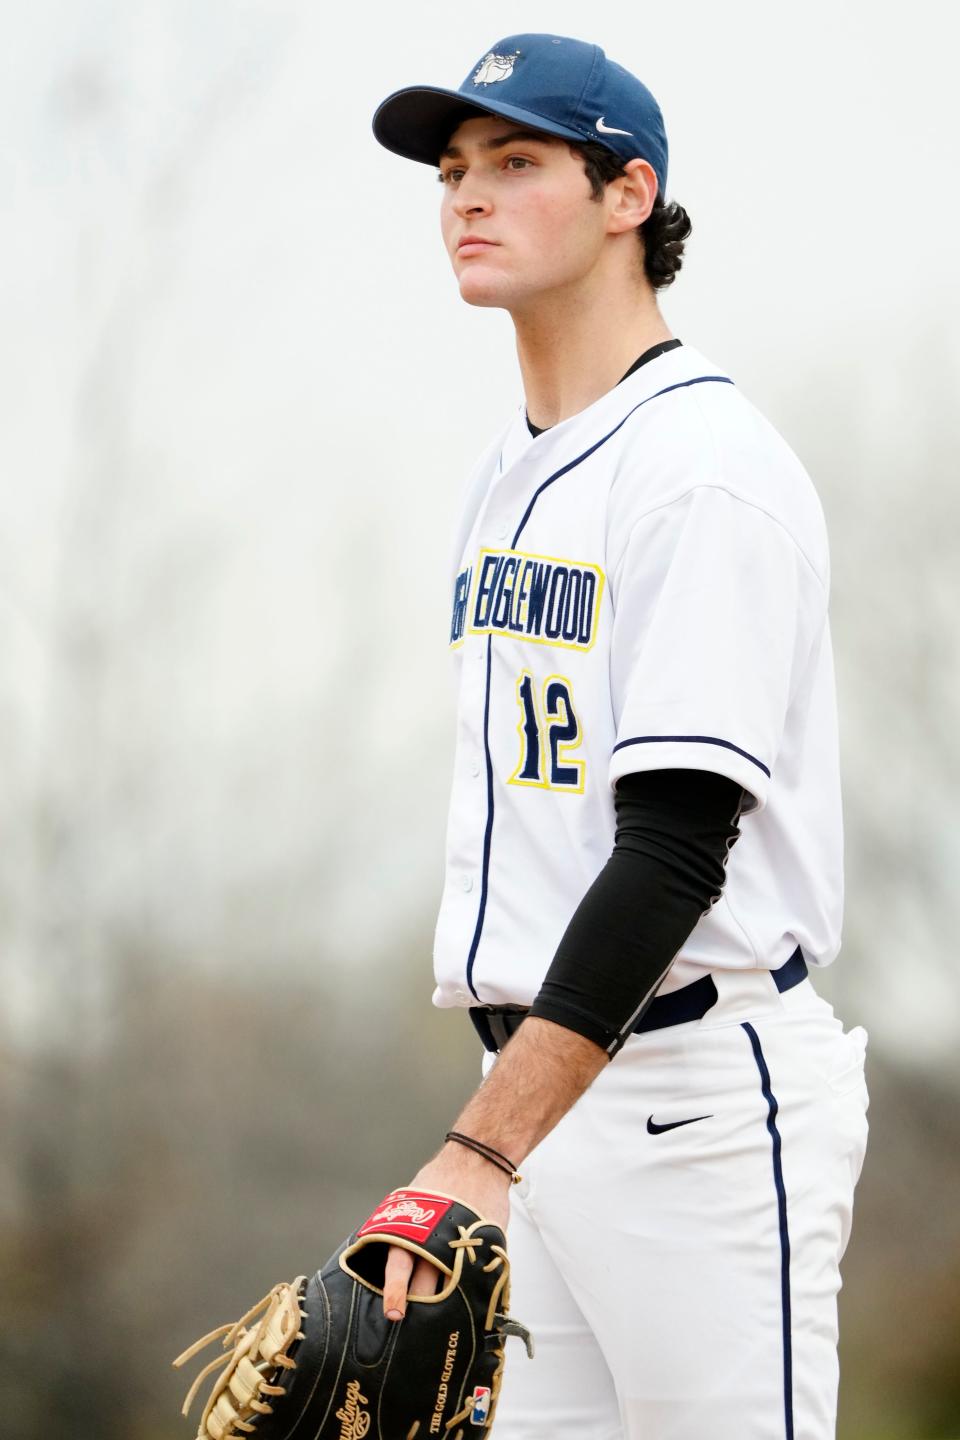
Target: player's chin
{"type": "Point", "coordinates": [482, 286]}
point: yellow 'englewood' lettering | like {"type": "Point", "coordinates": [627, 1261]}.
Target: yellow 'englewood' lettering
{"type": "Point", "coordinates": [534, 597]}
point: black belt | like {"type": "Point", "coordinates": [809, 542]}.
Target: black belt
{"type": "Point", "coordinates": [496, 1023]}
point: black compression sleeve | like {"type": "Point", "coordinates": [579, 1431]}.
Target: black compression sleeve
{"type": "Point", "coordinates": [674, 831]}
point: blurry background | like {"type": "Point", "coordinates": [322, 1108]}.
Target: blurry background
{"type": "Point", "coordinates": [239, 396]}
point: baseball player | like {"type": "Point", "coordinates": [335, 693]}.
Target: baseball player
{"type": "Point", "coordinates": [644, 842]}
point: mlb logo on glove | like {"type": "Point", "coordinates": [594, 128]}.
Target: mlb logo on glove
{"type": "Point", "coordinates": [481, 1406]}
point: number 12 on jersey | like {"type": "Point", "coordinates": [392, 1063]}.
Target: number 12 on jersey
{"type": "Point", "coordinates": [549, 729]}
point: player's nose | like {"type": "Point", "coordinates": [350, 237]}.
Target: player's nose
{"type": "Point", "coordinates": [471, 200]}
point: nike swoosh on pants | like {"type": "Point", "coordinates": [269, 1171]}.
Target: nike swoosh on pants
{"type": "Point", "coordinates": [654, 1129]}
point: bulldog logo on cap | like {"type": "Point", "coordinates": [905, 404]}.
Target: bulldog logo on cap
{"type": "Point", "coordinates": [495, 67]}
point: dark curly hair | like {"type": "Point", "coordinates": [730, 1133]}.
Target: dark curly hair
{"type": "Point", "coordinates": [662, 235]}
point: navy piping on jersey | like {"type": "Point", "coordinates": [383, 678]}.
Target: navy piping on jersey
{"type": "Point", "coordinates": [772, 1110]}
{"type": "Point", "coordinates": [653, 353]}
{"type": "Point", "coordinates": [680, 385]}
{"type": "Point", "coordinates": [691, 740]}
{"type": "Point", "coordinates": [488, 831]}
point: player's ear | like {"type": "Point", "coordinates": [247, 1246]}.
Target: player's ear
{"type": "Point", "coordinates": [631, 196]}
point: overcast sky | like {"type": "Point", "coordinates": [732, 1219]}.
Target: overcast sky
{"type": "Point", "coordinates": [239, 394]}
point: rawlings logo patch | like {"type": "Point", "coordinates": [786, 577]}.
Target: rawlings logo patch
{"type": "Point", "coordinates": [407, 1213]}
{"type": "Point", "coordinates": [493, 68]}
{"type": "Point", "coordinates": [406, 1210]}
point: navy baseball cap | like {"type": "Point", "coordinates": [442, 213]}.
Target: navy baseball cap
{"type": "Point", "coordinates": [546, 82]}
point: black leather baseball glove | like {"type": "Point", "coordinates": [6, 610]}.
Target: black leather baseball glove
{"type": "Point", "coordinates": [318, 1360]}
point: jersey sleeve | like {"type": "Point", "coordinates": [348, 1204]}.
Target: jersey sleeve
{"type": "Point", "coordinates": [715, 612]}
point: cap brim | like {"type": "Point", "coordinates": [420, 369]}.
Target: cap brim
{"type": "Point", "coordinates": [418, 122]}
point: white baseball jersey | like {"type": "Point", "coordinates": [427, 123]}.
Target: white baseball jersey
{"type": "Point", "coordinates": [642, 587]}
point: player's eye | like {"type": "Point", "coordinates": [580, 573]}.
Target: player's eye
{"type": "Point", "coordinates": [518, 162]}
{"type": "Point", "coordinates": [451, 176]}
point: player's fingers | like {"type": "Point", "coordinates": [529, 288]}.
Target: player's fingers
{"type": "Point", "coordinates": [424, 1280]}
{"type": "Point", "coordinates": [396, 1277]}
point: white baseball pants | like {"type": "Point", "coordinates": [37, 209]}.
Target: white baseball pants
{"type": "Point", "coordinates": [681, 1283]}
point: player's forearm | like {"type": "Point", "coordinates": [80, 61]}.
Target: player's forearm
{"type": "Point", "coordinates": [543, 1070]}
{"type": "Point", "coordinates": [674, 832]}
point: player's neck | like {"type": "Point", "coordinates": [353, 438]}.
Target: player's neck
{"type": "Point", "coordinates": [575, 347]}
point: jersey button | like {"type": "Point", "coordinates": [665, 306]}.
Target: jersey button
{"type": "Point", "coordinates": [467, 882]}
{"type": "Point", "coordinates": [475, 765]}
{"type": "Point", "coordinates": [460, 996]}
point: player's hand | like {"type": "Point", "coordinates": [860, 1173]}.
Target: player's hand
{"type": "Point", "coordinates": [455, 1171]}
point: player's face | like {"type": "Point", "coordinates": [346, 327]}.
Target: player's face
{"type": "Point", "coordinates": [517, 216]}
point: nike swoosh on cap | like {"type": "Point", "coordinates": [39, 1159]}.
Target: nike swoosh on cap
{"type": "Point", "coordinates": [609, 130]}
{"type": "Point", "coordinates": [654, 1129]}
